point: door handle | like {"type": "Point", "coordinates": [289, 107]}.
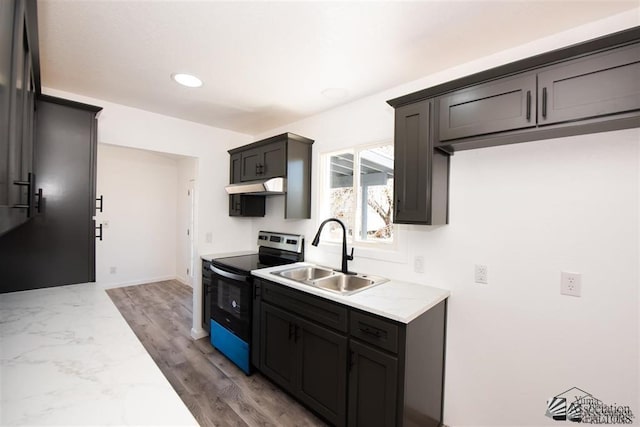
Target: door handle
{"type": "Point", "coordinates": [544, 102]}
{"type": "Point", "coordinates": [30, 184]}
{"type": "Point", "coordinates": [528, 105]}
{"type": "Point", "coordinates": [227, 274]}
{"type": "Point", "coordinates": [99, 236]}
{"type": "Point", "coordinates": [101, 200]}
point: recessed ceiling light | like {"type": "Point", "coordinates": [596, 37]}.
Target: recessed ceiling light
{"type": "Point", "coordinates": [187, 80]}
{"type": "Point", "coordinates": [335, 93]}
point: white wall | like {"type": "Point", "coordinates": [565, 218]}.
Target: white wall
{"type": "Point", "coordinates": [139, 216]}
{"type": "Point", "coordinates": [527, 211]}
{"type": "Point", "coordinates": [186, 181]}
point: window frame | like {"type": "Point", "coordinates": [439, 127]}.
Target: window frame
{"type": "Point", "coordinates": [324, 205]}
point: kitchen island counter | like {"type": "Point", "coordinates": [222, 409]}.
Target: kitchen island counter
{"type": "Point", "coordinates": [67, 357]}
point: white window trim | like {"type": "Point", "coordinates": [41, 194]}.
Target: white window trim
{"type": "Point", "coordinates": [395, 251]}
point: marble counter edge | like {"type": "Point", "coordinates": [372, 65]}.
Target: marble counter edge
{"type": "Point", "coordinates": [376, 300]}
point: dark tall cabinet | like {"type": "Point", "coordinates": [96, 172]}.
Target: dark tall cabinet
{"type": "Point", "coordinates": [57, 247]}
{"type": "Point", "coordinates": [421, 185]}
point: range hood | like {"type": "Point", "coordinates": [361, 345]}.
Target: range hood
{"type": "Point", "coordinates": [262, 187]}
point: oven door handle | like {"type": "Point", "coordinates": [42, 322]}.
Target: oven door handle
{"type": "Point", "coordinates": [228, 275]}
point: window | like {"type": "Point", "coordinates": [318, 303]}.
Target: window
{"type": "Point", "coordinates": [361, 199]}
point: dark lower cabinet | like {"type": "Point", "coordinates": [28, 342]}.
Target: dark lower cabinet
{"type": "Point", "coordinates": [277, 346]}
{"type": "Point", "coordinates": [206, 296]}
{"type": "Point", "coordinates": [373, 389]}
{"type": "Point", "coordinates": [350, 367]}
{"type": "Point", "coordinates": [307, 360]}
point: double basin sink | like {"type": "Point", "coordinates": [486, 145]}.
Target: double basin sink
{"type": "Point", "coordinates": [330, 280]}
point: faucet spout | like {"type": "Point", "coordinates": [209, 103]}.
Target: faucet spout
{"type": "Point", "coordinates": [345, 257]}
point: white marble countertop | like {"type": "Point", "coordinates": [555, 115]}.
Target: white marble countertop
{"type": "Point", "coordinates": [68, 357]}
{"type": "Point", "coordinates": [400, 301]}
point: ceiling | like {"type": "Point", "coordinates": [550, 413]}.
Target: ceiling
{"type": "Point", "coordinates": [264, 63]}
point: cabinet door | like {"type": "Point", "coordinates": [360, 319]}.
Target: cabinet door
{"type": "Point", "coordinates": [274, 160]}
{"type": "Point", "coordinates": [594, 86]}
{"type": "Point", "coordinates": [322, 378]}
{"type": "Point", "coordinates": [242, 205]}
{"type": "Point", "coordinates": [250, 164]}
{"type": "Point", "coordinates": [277, 346]}
{"type": "Point", "coordinates": [6, 43]}
{"type": "Point", "coordinates": [506, 104]}
{"type": "Point", "coordinates": [411, 164]}
{"type": "Point", "coordinates": [373, 387]}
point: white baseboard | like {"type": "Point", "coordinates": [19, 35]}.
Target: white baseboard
{"type": "Point", "coordinates": [184, 281]}
{"type": "Point", "coordinates": [197, 333]}
{"type": "Point", "coordinates": [136, 282]}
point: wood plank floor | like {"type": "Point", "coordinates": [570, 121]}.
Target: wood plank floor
{"type": "Point", "coordinates": [216, 392]}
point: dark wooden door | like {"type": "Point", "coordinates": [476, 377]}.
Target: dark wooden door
{"type": "Point", "coordinates": [277, 346]}
{"type": "Point", "coordinates": [411, 163]}
{"type": "Point", "coordinates": [594, 86]}
{"type": "Point", "coordinates": [57, 247]}
{"type": "Point", "coordinates": [373, 387]}
{"type": "Point", "coordinates": [322, 378]}
{"type": "Point", "coordinates": [502, 105]}
{"type": "Point", "coordinates": [274, 162]}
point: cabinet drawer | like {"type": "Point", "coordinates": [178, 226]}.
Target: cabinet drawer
{"type": "Point", "coordinates": [374, 330]}
{"type": "Point", "coordinates": [308, 306]}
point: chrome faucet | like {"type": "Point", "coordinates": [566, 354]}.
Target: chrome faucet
{"type": "Point", "coordinates": [345, 257]}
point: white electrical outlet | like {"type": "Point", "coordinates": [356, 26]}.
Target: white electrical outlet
{"type": "Point", "coordinates": [418, 264]}
{"type": "Point", "coordinates": [481, 274]}
{"type": "Point", "coordinates": [112, 270]}
{"type": "Point", "coordinates": [208, 237]}
{"type": "Point", "coordinates": [570, 283]}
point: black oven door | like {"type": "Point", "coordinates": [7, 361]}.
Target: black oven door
{"type": "Point", "coordinates": [231, 301]}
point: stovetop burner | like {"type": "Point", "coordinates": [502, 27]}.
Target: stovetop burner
{"type": "Point", "coordinates": [273, 249]}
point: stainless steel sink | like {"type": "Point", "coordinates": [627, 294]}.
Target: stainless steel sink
{"type": "Point", "coordinates": [303, 274]}
{"type": "Point", "coordinates": [330, 280]}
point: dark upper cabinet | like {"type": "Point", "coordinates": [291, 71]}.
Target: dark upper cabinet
{"type": "Point", "coordinates": [286, 155]}
{"type": "Point", "coordinates": [373, 389]}
{"type": "Point", "coordinates": [17, 104]}
{"type": "Point", "coordinates": [243, 205]}
{"type": "Point", "coordinates": [594, 86]}
{"type": "Point", "coordinates": [421, 173]}
{"type": "Point", "coordinates": [264, 162]}
{"type": "Point", "coordinates": [497, 106]}
{"type": "Point", "coordinates": [589, 87]}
